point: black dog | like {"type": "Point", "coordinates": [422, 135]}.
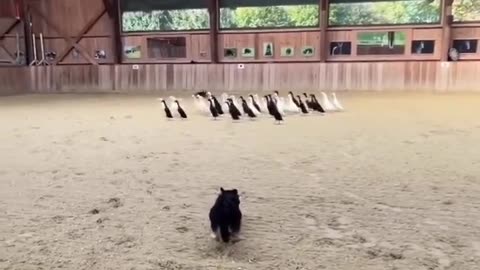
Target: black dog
{"type": "Point", "coordinates": [225, 215]}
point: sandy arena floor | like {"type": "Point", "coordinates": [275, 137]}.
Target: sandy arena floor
{"type": "Point", "coordinates": [391, 184]}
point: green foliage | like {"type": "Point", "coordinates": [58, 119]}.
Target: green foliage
{"type": "Point", "coordinates": [363, 13]}
{"type": "Point", "coordinates": [269, 17]}
{"type": "Point", "coordinates": [466, 10]}
{"type": "Point", "coordinates": [190, 19]}
{"type": "Point", "coordinates": [385, 12]}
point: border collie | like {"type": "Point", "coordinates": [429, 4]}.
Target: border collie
{"type": "Point", "coordinates": [225, 215]}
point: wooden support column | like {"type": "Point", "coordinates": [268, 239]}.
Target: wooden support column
{"type": "Point", "coordinates": [323, 30]}
{"type": "Point", "coordinates": [447, 20]}
{"type": "Point", "coordinates": [114, 12]}
{"type": "Point", "coordinates": [213, 12]}
{"type": "Point", "coordinates": [27, 31]}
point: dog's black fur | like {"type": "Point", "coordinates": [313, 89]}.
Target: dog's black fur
{"type": "Point", "coordinates": [225, 215]}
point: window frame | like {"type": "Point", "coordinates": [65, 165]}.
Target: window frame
{"type": "Point", "coordinates": [147, 32]}
{"type": "Point", "coordinates": [393, 25]}
{"type": "Point", "coordinates": [269, 29]}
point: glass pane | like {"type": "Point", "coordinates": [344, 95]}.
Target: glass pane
{"type": "Point", "coordinates": [466, 10]}
{"type": "Point", "coordinates": [465, 45]}
{"type": "Point", "coordinates": [384, 12]}
{"type": "Point", "coordinates": [268, 14]}
{"type": "Point", "coordinates": [423, 46]}
{"type": "Point", "coordinates": [340, 48]}
{"type": "Point", "coordinates": [380, 43]}
{"type": "Point", "coordinates": [148, 15]}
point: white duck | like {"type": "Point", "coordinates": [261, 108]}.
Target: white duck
{"type": "Point", "coordinates": [262, 103]}
{"type": "Point", "coordinates": [224, 98]}
{"type": "Point", "coordinates": [290, 104]}
{"type": "Point", "coordinates": [235, 102]}
{"type": "Point", "coordinates": [336, 103]}
{"type": "Point", "coordinates": [327, 105]}
{"type": "Point", "coordinates": [200, 104]}
{"type": "Point", "coordinates": [173, 104]}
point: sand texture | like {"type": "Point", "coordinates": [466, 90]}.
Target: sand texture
{"type": "Point", "coordinates": [105, 182]}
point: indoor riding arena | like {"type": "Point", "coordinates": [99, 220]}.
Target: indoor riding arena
{"type": "Point", "coordinates": [240, 134]}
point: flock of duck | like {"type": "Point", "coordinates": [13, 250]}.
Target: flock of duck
{"type": "Point", "coordinates": [275, 105]}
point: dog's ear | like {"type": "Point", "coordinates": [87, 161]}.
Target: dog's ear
{"type": "Point", "coordinates": [235, 191]}
{"type": "Point", "coordinates": [222, 190]}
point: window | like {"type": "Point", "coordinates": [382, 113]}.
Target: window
{"type": "Point", "coordinates": [340, 48]}
{"type": "Point", "coordinates": [465, 45]}
{"type": "Point", "coordinates": [170, 47]}
{"type": "Point", "coordinates": [383, 12]}
{"type": "Point", "coordinates": [251, 14]}
{"type": "Point", "coordinates": [466, 10]}
{"type": "Point", "coordinates": [423, 46]}
{"type": "Point", "coordinates": [165, 15]}
{"type": "Point", "coordinates": [381, 43]}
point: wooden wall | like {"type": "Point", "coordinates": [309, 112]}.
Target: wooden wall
{"type": "Point", "coordinates": [374, 76]}
{"type": "Point", "coordinates": [64, 22]}
{"type": "Point", "coordinates": [86, 25]}
{"type": "Point", "coordinates": [468, 32]}
{"type": "Point", "coordinates": [11, 35]}
{"type": "Point", "coordinates": [411, 34]}
{"type": "Point", "coordinates": [295, 40]}
{"type": "Point", "coordinates": [197, 46]}
{"type": "Point", "coordinates": [7, 8]}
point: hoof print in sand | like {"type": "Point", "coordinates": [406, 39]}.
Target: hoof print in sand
{"type": "Point", "coordinates": [94, 211]}
{"type": "Point", "coordinates": [115, 202]}
{"type": "Point", "coordinates": [182, 229]}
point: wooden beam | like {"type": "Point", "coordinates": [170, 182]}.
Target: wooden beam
{"type": "Point", "coordinates": [447, 19]}
{"type": "Point", "coordinates": [64, 35]}
{"type": "Point", "coordinates": [213, 12]}
{"type": "Point", "coordinates": [10, 28]}
{"type": "Point", "coordinates": [323, 30]}
{"type": "Point", "coordinates": [117, 37]}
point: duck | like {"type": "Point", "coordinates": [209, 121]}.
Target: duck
{"type": "Point", "coordinates": [270, 104]}
{"type": "Point", "coordinates": [224, 98]}
{"type": "Point", "coordinates": [309, 103]}
{"type": "Point", "coordinates": [246, 109]}
{"type": "Point", "coordinates": [336, 103]}
{"type": "Point", "coordinates": [303, 108]}
{"type": "Point", "coordinates": [180, 110]}
{"type": "Point", "coordinates": [279, 102]}
{"type": "Point", "coordinates": [212, 108]}
{"type": "Point", "coordinates": [327, 105]}
{"type": "Point", "coordinates": [262, 103]}
{"type": "Point", "coordinates": [200, 104]}
{"type": "Point", "coordinates": [234, 113]}
{"type": "Point", "coordinates": [217, 105]}
{"type": "Point", "coordinates": [168, 113]}
{"type": "Point", "coordinates": [293, 99]}
{"type": "Point", "coordinates": [203, 94]}
{"type": "Point", "coordinates": [233, 107]}
{"type": "Point", "coordinates": [315, 104]}
{"type": "Point", "coordinates": [292, 104]}
{"type": "Point", "coordinates": [254, 105]}
{"type": "Point", "coordinates": [275, 113]}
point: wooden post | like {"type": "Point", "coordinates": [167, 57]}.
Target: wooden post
{"type": "Point", "coordinates": [447, 20]}
{"type": "Point", "coordinates": [323, 30]}
{"type": "Point", "coordinates": [213, 12]}
{"type": "Point", "coordinates": [27, 31]}
{"type": "Point", "coordinates": [115, 14]}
